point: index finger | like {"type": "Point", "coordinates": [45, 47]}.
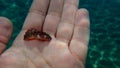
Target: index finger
{"type": "Point", "coordinates": [36, 14]}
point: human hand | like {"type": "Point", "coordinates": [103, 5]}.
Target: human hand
{"type": "Point", "coordinates": [68, 27]}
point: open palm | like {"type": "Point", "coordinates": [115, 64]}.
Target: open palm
{"type": "Point", "coordinates": [68, 27]}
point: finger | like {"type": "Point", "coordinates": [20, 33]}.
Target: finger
{"type": "Point", "coordinates": [65, 28]}
{"type": "Point", "coordinates": [54, 16]}
{"type": "Point", "coordinates": [79, 42]}
{"type": "Point", "coordinates": [37, 14]}
{"type": "Point", "coordinates": [5, 32]}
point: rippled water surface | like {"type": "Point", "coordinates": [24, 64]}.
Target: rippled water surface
{"type": "Point", "coordinates": [104, 46]}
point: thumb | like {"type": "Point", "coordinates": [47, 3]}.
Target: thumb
{"type": "Point", "coordinates": [6, 28]}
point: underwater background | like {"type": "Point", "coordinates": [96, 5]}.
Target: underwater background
{"type": "Point", "coordinates": [104, 45]}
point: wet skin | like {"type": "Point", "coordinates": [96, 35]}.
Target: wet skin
{"type": "Point", "coordinates": [68, 27]}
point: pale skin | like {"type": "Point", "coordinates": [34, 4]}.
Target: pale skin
{"type": "Point", "coordinates": [63, 21]}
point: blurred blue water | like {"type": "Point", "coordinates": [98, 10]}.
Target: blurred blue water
{"type": "Point", "coordinates": [104, 46]}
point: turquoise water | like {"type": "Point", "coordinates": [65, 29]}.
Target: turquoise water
{"type": "Point", "coordinates": [104, 46]}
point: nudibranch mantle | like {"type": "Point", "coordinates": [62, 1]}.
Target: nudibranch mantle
{"type": "Point", "coordinates": [34, 34]}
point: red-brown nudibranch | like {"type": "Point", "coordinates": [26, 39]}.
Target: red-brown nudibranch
{"type": "Point", "coordinates": [34, 34]}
